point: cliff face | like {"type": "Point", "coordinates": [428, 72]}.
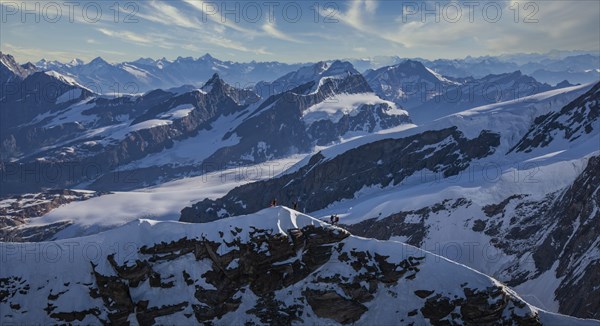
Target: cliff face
{"type": "Point", "coordinates": [274, 267]}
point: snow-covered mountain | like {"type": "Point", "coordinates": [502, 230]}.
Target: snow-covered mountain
{"type": "Point", "coordinates": [139, 134]}
{"type": "Point", "coordinates": [551, 68]}
{"type": "Point", "coordinates": [409, 83]}
{"type": "Point", "coordinates": [273, 267]}
{"type": "Point", "coordinates": [427, 95]}
{"type": "Point", "coordinates": [11, 71]}
{"type": "Point", "coordinates": [472, 93]}
{"type": "Point", "coordinates": [306, 74]}
{"type": "Point", "coordinates": [510, 189]}
{"type": "Point", "coordinates": [146, 74]}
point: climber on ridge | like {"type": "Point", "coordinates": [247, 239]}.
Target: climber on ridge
{"type": "Point", "coordinates": [334, 219]}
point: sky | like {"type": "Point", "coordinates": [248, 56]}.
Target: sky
{"type": "Point", "coordinates": [293, 31]}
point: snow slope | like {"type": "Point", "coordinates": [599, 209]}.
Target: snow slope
{"type": "Point", "coordinates": [100, 281]}
{"type": "Point", "coordinates": [163, 202]}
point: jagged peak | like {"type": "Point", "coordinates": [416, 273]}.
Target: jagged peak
{"type": "Point", "coordinates": [98, 61]}
{"type": "Point", "coordinates": [340, 67]}
{"type": "Point", "coordinates": [207, 57]}
{"type": "Point", "coordinates": [413, 64]}
{"type": "Point", "coordinates": [564, 83]}
{"type": "Point", "coordinates": [76, 62]}
{"type": "Point", "coordinates": [182, 59]}
{"type": "Point", "coordinates": [5, 55]}
{"type": "Point", "coordinates": [215, 80]}
{"type": "Point", "coordinates": [28, 65]}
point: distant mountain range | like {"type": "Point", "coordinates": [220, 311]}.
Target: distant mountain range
{"type": "Point", "coordinates": [146, 74]}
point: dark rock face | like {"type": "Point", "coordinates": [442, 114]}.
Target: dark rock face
{"type": "Point", "coordinates": [329, 304]}
{"type": "Point", "coordinates": [486, 307]}
{"type": "Point", "coordinates": [577, 217]}
{"type": "Point", "coordinates": [573, 121]}
{"type": "Point", "coordinates": [37, 94]}
{"type": "Point", "coordinates": [384, 162]}
{"type": "Point", "coordinates": [395, 225]}
{"type": "Point", "coordinates": [302, 76]}
{"type": "Point", "coordinates": [428, 95]}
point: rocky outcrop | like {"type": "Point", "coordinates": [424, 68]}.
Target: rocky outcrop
{"type": "Point", "coordinates": [477, 307]}
{"type": "Point", "coordinates": [12, 72]}
{"type": "Point", "coordinates": [322, 182]}
{"type": "Point", "coordinates": [572, 241]}
{"type": "Point", "coordinates": [17, 211]}
{"type": "Point", "coordinates": [572, 122]}
{"type": "Point", "coordinates": [396, 225]}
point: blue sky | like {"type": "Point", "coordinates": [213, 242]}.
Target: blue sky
{"type": "Point", "coordinates": [293, 31]}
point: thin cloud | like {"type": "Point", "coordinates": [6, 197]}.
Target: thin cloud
{"type": "Point", "coordinates": [163, 13]}
{"type": "Point", "coordinates": [128, 36]}
{"type": "Point", "coordinates": [355, 17]}
{"type": "Point", "coordinates": [271, 30]}
{"type": "Point", "coordinates": [210, 11]}
{"type": "Point", "coordinates": [171, 16]}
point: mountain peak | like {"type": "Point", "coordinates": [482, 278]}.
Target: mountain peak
{"type": "Point", "coordinates": [341, 67]}
{"type": "Point", "coordinates": [207, 57]}
{"type": "Point", "coordinates": [6, 57]}
{"type": "Point", "coordinates": [76, 62]}
{"type": "Point", "coordinates": [215, 80]}
{"type": "Point", "coordinates": [145, 61]}
{"type": "Point", "coordinates": [99, 61]}
{"type": "Point", "coordinates": [413, 64]}
{"type": "Point", "coordinates": [182, 59]}
{"type": "Point", "coordinates": [564, 83]}
{"type": "Point", "coordinates": [28, 65]}
{"type": "Point", "coordinates": [214, 77]}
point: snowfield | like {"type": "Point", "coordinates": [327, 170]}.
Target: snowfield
{"type": "Point", "coordinates": [336, 107]}
{"type": "Point", "coordinates": [162, 203]}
